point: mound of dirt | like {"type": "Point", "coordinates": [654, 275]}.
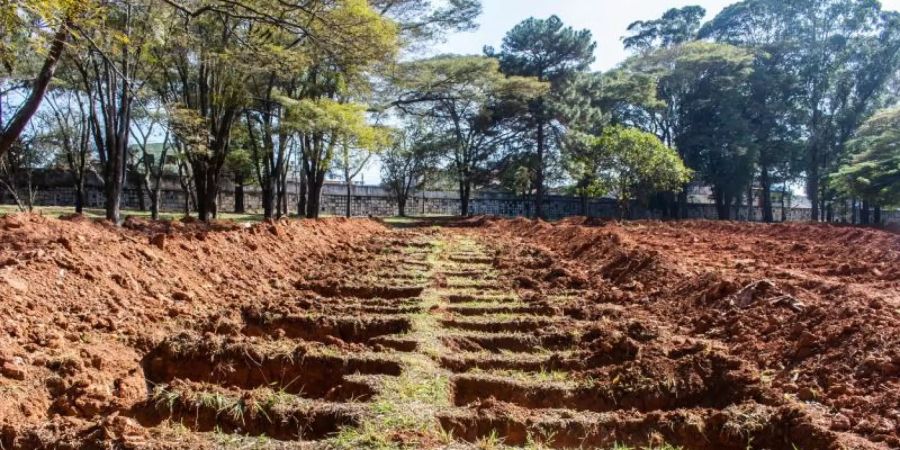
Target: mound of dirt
{"type": "Point", "coordinates": [81, 300]}
{"type": "Point", "coordinates": [814, 308]}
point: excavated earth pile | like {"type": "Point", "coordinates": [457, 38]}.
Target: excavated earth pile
{"type": "Point", "coordinates": [491, 333]}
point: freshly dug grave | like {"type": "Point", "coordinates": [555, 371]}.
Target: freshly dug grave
{"type": "Point", "coordinates": [815, 309]}
{"type": "Point", "coordinates": [83, 302]}
{"type": "Point", "coordinates": [577, 334]}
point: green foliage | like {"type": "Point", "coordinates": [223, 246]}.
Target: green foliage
{"type": "Point", "coordinates": [545, 49]}
{"type": "Point", "coordinates": [872, 172]}
{"type": "Point", "coordinates": [625, 162]}
{"type": "Point", "coordinates": [676, 26]}
{"type": "Point", "coordinates": [471, 108]}
{"type": "Point", "coordinates": [833, 59]}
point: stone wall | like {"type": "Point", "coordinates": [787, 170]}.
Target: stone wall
{"type": "Point", "coordinates": [376, 201]}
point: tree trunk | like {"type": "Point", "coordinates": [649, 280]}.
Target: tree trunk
{"type": "Point", "coordinates": [206, 187]}
{"type": "Point", "coordinates": [876, 219]}
{"type": "Point", "coordinates": [349, 196]}
{"type": "Point", "coordinates": [812, 182]}
{"type": "Point", "coordinates": [154, 202]}
{"type": "Point", "coordinates": [864, 213]}
{"type": "Point", "coordinates": [142, 203]}
{"type": "Point", "coordinates": [239, 207]}
{"type": "Point", "coordinates": [283, 203]}
{"type": "Point", "coordinates": [268, 200]}
{"type": "Point", "coordinates": [784, 217]}
{"type": "Point", "coordinates": [682, 203]}
{"type": "Point", "coordinates": [539, 174]}
{"type": "Point", "coordinates": [751, 213]}
{"type": "Point", "coordinates": [315, 195]}
{"type": "Point", "coordinates": [584, 204]}
{"type": "Point", "coordinates": [38, 89]}
{"type": "Point", "coordinates": [723, 206]}
{"type": "Point", "coordinates": [401, 205]}
{"type": "Point", "coordinates": [114, 181]}
{"type": "Point", "coordinates": [465, 189]}
{"type": "Point", "coordinates": [765, 182]}
{"type": "Point", "coordinates": [79, 195]}
{"type": "Point", "coordinates": [301, 200]}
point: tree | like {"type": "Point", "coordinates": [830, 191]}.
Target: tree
{"type": "Point", "coordinates": [676, 26]}
{"type": "Point", "coordinates": [840, 55]}
{"type": "Point", "coordinates": [17, 166]}
{"type": "Point", "coordinates": [689, 79]}
{"type": "Point", "coordinates": [406, 164]}
{"type": "Point", "coordinates": [472, 107]}
{"type": "Point", "coordinates": [626, 162]}
{"type": "Point", "coordinates": [108, 67]}
{"type": "Point", "coordinates": [872, 171]}
{"type": "Point", "coordinates": [354, 156]}
{"type": "Point", "coordinates": [715, 132]}
{"type": "Point", "coordinates": [212, 57]}
{"type": "Point", "coordinates": [17, 25]}
{"type": "Point", "coordinates": [242, 169]}
{"type": "Point", "coordinates": [326, 127]}
{"type": "Point", "coordinates": [67, 127]}
{"type": "Point", "coordinates": [549, 51]}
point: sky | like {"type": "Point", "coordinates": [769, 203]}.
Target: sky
{"type": "Point", "coordinates": [608, 20]}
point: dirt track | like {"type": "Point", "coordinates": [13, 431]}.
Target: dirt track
{"type": "Point", "coordinates": [347, 334]}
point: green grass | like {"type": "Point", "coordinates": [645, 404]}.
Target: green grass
{"type": "Point", "coordinates": [407, 404]}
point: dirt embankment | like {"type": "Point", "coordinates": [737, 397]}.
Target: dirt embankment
{"type": "Point", "coordinates": [81, 301]}
{"type": "Point", "coordinates": [815, 308]}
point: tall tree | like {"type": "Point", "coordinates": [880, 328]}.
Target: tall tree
{"type": "Point", "coordinates": [714, 137]}
{"type": "Point", "coordinates": [551, 52]}
{"type": "Point", "coordinates": [687, 79]}
{"type": "Point", "coordinates": [472, 107]}
{"type": "Point", "coordinates": [68, 128]}
{"type": "Point", "coordinates": [110, 64]}
{"type": "Point", "coordinates": [625, 162]}
{"type": "Point", "coordinates": [210, 54]}
{"type": "Point", "coordinates": [676, 26]}
{"type": "Point", "coordinates": [841, 54]}
{"type": "Point", "coordinates": [23, 29]}
{"type": "Point", "coordinates": [872, 170]}
{"type": "Point", "coordinates": [406, 164]}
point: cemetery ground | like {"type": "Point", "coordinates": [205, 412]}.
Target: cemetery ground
{"type": "Point", "coordinates": [476, 333]}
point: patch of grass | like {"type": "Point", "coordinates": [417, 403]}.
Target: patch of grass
{"type": "Point", "coordinates": [407, 404]}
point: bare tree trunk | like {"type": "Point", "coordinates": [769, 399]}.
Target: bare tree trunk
{"type": "Point", "coordinates": [79, 196]}
{"type": "Point", "coordinates": [765, 182]}
{"type": "Point", "coordinates": [465, 187]}
{"type": "Point", "coordinates": [239, 207]}
{"type": "Point", "coordinates": [349, 196]}
{"type": "Point", "coordinates": [142, 203]}
{"type": "Point", "coordinates": [154, 202]}
{"type": "Point", "coordinates": [39, 87]}
{"type": "Point", "coordinates": [301, 198]}
{"type": "Point", "coordinates": [401, 205]}
{"type": "Point", "coordinates": [539, 174]}
{"type": "Point", "coordinates": [682, 203]}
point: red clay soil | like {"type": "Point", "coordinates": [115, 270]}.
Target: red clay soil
{"type": "Point", "coordinates": [814, 309]}
{"type": "Point", "coordinates": [82, 301]}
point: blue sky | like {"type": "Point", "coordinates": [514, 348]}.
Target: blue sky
{"type": "Point", "coordinates": [607, 19]}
